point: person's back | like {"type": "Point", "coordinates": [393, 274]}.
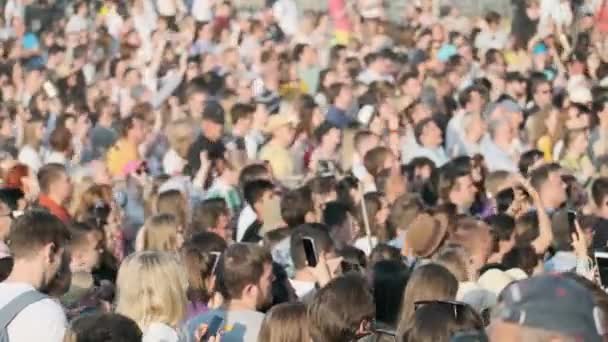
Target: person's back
{"type": "Point", "coordinates": [36, 242]}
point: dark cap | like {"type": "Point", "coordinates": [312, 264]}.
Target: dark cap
{"type": "Point", "coordinates": [514, 76]}
{"type": "Point", "coordinates": [555, 303]}
{"type": "Point", "coordinates": [214, 112]}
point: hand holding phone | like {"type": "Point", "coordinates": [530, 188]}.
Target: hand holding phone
{"type": "Point", "coordinates": [601, 260]}
{"type": "Point", "coordinates": [209, 332]}
{"type": "Point", "coordinates": [310, 251]}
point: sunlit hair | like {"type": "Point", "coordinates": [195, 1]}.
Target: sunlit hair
{"type": "Point", "coordinates": [428, 282]}
{"type": "Point", "coordinates": [86, 196]}
{"type": "Point", "coordinates": [173, 202]}
{"type": "Point", "coordinates": [30, 133]}
{"type": "Point", "coordinates": [286, 322]}
{"type": "Point", "coordinates": [160, 233]}
{"type": "Point", "coordinates": [151, 288]}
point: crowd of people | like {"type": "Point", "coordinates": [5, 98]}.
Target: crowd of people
{"type": "Point", "coordinates": [190, 171]}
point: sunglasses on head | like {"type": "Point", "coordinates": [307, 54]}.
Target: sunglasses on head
{"type": "Point", "coordinates": [456, 307]}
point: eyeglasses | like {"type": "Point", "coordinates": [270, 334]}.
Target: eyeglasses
{"type": "Point", "coordinates": [456, 307]}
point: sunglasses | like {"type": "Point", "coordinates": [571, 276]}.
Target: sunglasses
{"type": "Point", "coordinates": [456, 307]}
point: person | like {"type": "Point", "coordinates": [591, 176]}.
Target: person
{"type": "Point", "coordinates": [599, 195]}
{"type": "Point", "coordinates": [211, 215]}
{"type": "Point", "coordinates": [85, 247]}
{"type": "Point", "coordinates": [212, 125]}
{"type": "Point", "coordinates": [157, 312]}
{"type": "Point", "coordinates": [37, 242]}
{"type": "Point", "coordinates": [497, 151]}
{"type": "Point", "coordinates": [456, 187]}
{"type": "Point", "coordinates": [341, 98]}
{"type": "Point", "coordinates": [571, 305]}
{"type": "Point", "coordinates": [257, 194]}
{"type": "Point", "coordinates": [551, 189]}
{"type": "Point", "coordinates": [31, 151]}
{"type": "Point", "coordinates": [106, 327]}
{"type": "Point", "coordinates": [55, 190]}
{"type": "Point", "coordinates": [125, 150]}
{"type": "Point", "coordinates": [389, 278]}
{"type": "Point", "coordinates": [350, 304]}
{"type": "Point", "coordinates": [285, 323]}
{"type": "Point", "coordinates": [244, 280]}
{"type": "Point", "coordinates": [276, 151]}
{"type": "Point", "coordinates": [575, 158]}
{"type": "Point", "coordinates": [429, 138]}
{"type": "Point", "coordinates": [162, 233]}
{"type": "Point", "coordinates": [436, 321]}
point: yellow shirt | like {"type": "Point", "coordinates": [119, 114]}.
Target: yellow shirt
{"type": "Point", "coordinates": [545, 145]}
{"type": "Point", "coordinates": [119, 155]}
{"type": "Point", "coordinates": [279, 158]}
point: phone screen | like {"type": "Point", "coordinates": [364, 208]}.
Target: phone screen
{"type": "Point", "coordinates": [310, 251]}
{"type": "Point", "coordinates": [601, 259]}
{"type": "Point", "coordinates": [214, 327]}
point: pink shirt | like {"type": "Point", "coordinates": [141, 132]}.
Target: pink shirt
{"type": "Point", "coordinates": [339, 15]}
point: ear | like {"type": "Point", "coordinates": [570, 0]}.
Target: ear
{"type": "Point", "coordinates": [250, 291]}
{"type": "Point", "coordinates": [364, 328]}
{"type": "Point", "coordinates": [50, 253]}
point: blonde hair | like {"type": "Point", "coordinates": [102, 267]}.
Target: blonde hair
{"type": "Point", "coordinates": [286, 322]}
{"type": "Point", "coordinates": [30, 133]}
{"type": "Point", "coordinates": [160, 233]}
{"type": "Point", "coordinates": [181, 136]}
{"type": "Point", "coordinates": [151, 287]}
{"type": "Point", "coordinates": [538, 128]}
{"type": "Point", "coordinates": [173, 202]}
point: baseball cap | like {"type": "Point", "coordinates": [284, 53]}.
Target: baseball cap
{"type": "Point", "coordinates": [426, 234]}
{"type": "Point", "coordinates": [552, 302]}
{"type": "Point", "coordinates": [214, 112]}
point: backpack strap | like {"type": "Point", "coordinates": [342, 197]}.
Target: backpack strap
{"type": "Point", "coordinates": [15, 306]}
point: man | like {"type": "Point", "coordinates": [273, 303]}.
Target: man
{"type": "Point", "coordinates": [125, 150]}
{"type": "Point", "coordinates": [37, 244]}
{"type": "Point", "coordinates": [308, 67]}
{"type": "Point", "coordinates": [340, 96]}
{"type": "Point", "coordinates": [307, 277]}
{"type": "Point", "coordinates": [343, 227]}
{"type": "Point", "coordinates": [515, 88]}
{"type": "Point", "coordinates": [211, 215]}
{"type": "Point", "coordinates": [570, 254]}
{"type": "Point", "coordinates": [474, 127]}
{"type": "Point", "coordinates": [276, 152]}
{"type": "Point", "coordinates": [103, 135]}
{"type": "Point", "coordinates": [376, 69]}
{"type": "Point", "coordinates": [472, 102]}
{"type": "Point", "coordinates": [542, 95]}
{"type": "Point", "coordinates": [546, 308]}
{"type": "Point", "coordinates": [245, 280]}
{"type": "Point", "coordinates": [350, 303]}
{"type": "Point", "coordinates": [429, 138]}
{"type": "Point", "coordinates": [547, 180]}
{"type": "Point", "coordinates": [456, 187]}
{"type": "Point", "coordinates": [599, 194]}
{"type": "Point", "coordinates": [241, 115]}
{"type": "Point", "coordinates": [256, 193]}
{"type": "Point", "coordinates": [598, 140]}
{"type": "Point", "coordinates": [497, 149]}
{"type": "Point", "coordinates": [212, 129]}
{"type": "Point", "coordinates": [494, 37]}
{"type": "Point", "coordinates": [55, 190]}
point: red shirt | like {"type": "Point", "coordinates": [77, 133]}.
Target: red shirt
{"type": "Point", "coordinates": [54, 208]}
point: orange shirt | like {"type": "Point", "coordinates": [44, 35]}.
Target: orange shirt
{"type": "Point", "coordinates": [54, 208]}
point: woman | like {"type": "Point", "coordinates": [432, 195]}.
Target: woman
{"type": "Point", "coordinates": [161, 233]}
{"type": "Point", "coordinates": [286, 322]}
{"type": "Point", "coordinates": [173, 202]}
{"type": "Point", "coordinates": [545, 129]}
{"type": "Point", "coordinates": [181, 135]}
{"type": "Point", "coordinates": [21, 177]}
{"type": "Point", "coordinates": [575, 158]}
{"type": "Point", "coordinates": [200, 256]}
{"type": "Point", "coordinates": [439, 321]}
{"type": "Point", "coordinates": [377, 214]}
{"type": "Point", "coordinates": [145, 295]}
{"type": "Point", "coordinates": [427, 282]}
{"type": "Point", "coordinates": [30, 152]}
{"type": "Point", "coordinates": [310, 118]}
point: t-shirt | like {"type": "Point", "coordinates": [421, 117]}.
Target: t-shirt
{"type": "Point", "coordinates": [121, 154]}
{"type": "Point", "coordinates": [156, 332]}
{"type": "Point", "coordinates": [238, 326]}
{"type": "Point", "coordinates": [40, 321]}
{"type": "Point", "coordinates": [279, 159]}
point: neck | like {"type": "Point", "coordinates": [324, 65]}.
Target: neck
{"type": "Point", "coordinates": [26, 272]}
{"type": "Point", "coordinates": [55, 198]}
{"type": "Point", "coordinates": [303, 275]}
{"type": "Point", "coordinates": [240, 304]}
{"type": "Point", "coordinates": [105, 121]}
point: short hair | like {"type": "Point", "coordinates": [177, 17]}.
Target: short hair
{"type": "Point", "coordinates": [79, 232]}
{"type": "Point", "coordinates": [34, 230]}
{"type": "Point", "coordinates": [241, 111]}
{"type": "Point", "coordinates": [160, 233]}
{"type": "Point", "coordinates": [374, 159]}
{"type": "Point", "coordinates": [254, 190]}
{"type": "Point", "coordinates": [502, 227]}
{"type": "Point", "coordinates": [335, 214]}
{"type": "Point", "coordinates": [295, 204]}
{"type": "Point", "coordinates": [285, 322]}
{"type": "Point", "coordinates": [403, 211]}
{"type": "Point", "coordinates": [318, 233]}
{"type": "Point", "coordinates": [241, 264]}
{"type": "Point", "coordinates": [465, 96]}
{"type": "Point", "coordinates": [419, 128]}
{"type": "Point", "coordinates": [252, 172]}
{"type": "Point", "coordinates": [528, 159]}
{"type": "Point", "coordinates": [389, 278]}
{"type": "Point", "coordinates": [206, 214]}
{"type": "Point", "coordinates": [48, 174]}
{"type": "Point", "coordinates": [448, 179]}
{"type": "Point", "coordinates": [60, 139]}
{"type": "Point", "coordinates": [337, 310]}
{"type": "Point", "coordinates": [128, 123]}
{"type": "Point", "coordinates": [539, 176]}
{"type": "Point", "coordinates": [492, 17]}
{"type": "Point", "coordinates": [599, 191]}
{"type": "Point", "coordinates": [103, 327]}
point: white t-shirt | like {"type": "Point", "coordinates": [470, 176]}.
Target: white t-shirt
{"type": "Point", "coordinates": [76, 24]}
{"type": "Point", "coordinates": [201, 10]}
{"type": "Point", "coordinates": [157, 332]}
{"type": "Point", "coordinates": [30, 157]}
{"type": "Point", "coordinates": [40, 321]}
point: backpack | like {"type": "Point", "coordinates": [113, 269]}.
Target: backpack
{"type": "Point", "coordinates": [14, 307]}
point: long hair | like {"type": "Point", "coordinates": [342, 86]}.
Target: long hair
{"type": "Point", "coordinates": [285, 323]}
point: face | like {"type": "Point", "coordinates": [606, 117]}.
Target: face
{"type": "Point", "coordinates": [137, 132]}
{"type": "Point", "coordinates": [87, 257]}
{"type": "Point", "coordinates": [555, 188]}
{"type": "Point", "coordinates": [464, 191]}
{"type": "Point", "coordinates": [542, 97]}
{"type": "Point", "coordinates": [264, 287]}
{"type": "Point", "coordinates": [334, 137]}
{"type": "Point", "coordinates": [63, 187]}
{"type": "Point", "coordinates": [413, 87]}
{"type": "Point", "coordinates": [212, 130]}
{"type": "Point", "coordinates": [431, 135]}
{"type": "Point", "coordinates": [580, 143]}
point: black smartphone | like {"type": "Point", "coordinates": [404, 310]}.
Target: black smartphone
{"type": "Point", "coordinates": [601, 260]}
{"type": "Point", "coordinates": [349, 267]}
{"type": "Point", "coordinates": [310, 251]}
{"type": "Point", "coordinates": [572, 222]}
{"type": "Point", "coordinates": [213, 328]}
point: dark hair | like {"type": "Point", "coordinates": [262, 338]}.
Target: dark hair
{"type": "Point", "coordinates": [540, 175]}
{"type": "Point", "coordinates": [338, 309]}
{"type": "Point", "coordinates": [353, 256]}
{"type": "Point", "coordinates": [48, 174]}
{"type": "Point", "coordinates": [318, 233]}
{"type": "Point", "coordinates": [128, 123]}
{"type": "Point", "coordinates": [79, 233]}
{"type": "Point", "coordinates": [104, 327]}
{"type": "Point", "coordinates": [419, 128]}
{"type": "Point", "coordinates": [389, 278]}
{"type": "Point", "coordinates": [502, 227]}
{"type": "Point", "coordinates": [436, 322]}
{"type": "Point", "coordinates": [523, 257]}
{"type": "Point", "coordinates": [384, 252]}
{"type": "Point", "coordinates": [34, 230]}
{"type": "Point", "coordinates": [252, 172]}
{"type": "Point", "coordinates": [504, 199]}
{"type": "Point", "coordinates": [335, 214]}
{"type": "Point", "coordinates": [295, 204]}
{"type": "Point", "coordinates": [465, 96]}
{"type": "Point", "coordinates": [206, 214]}
{"type": "Point", "coordinates": [254, 191]}
{"type": "Point", "coordinates": [241, 111]}
{"type": "Point", "coordinates": [528, 159]}
{"type": "Point", "coordinates": [60, 139]}
{"type": "Point", "coordinates": [241, 264]}
{"type": "Point", "coordinates": [599, 191]}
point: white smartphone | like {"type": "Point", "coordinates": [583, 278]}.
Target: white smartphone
{"type": "Point", "coordinates": [50, 89]}
{"type": "Point", "coordinates": [601, 260]}
{"type": "Point", "coordinates": [365, 114]}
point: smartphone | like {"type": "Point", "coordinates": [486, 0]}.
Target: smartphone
{"type": "Point", "coordinates": [310, 251]}
{"type": "Point", "coordinates": [572, 215]}
{"type": "Point", "coordinates": [349, 267]}
{"type": "Point", "coordinates": [326, 168]}
{"type": "Point", "coordinates": [214, 328]}
{"type": "Point", "coordinates": [50, 89]}
{"type": "Point", "coordinates": [365, 114]}
{"type": "Point", "coordinates": [601, 260]}
{"type": "Point", "coordinates": [216, 260]}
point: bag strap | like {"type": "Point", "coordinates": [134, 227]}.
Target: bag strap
{"type": "Point", "coordinates": [15, 306]}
